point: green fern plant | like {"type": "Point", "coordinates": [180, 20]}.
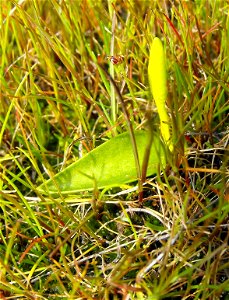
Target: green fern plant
{"type": "Point", "coordinates": [113, 163]}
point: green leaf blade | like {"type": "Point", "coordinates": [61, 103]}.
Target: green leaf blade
{"type": "Point", "coordinates": [110, 164]}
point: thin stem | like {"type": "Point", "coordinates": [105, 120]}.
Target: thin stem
{"type": "Point", "coordinates": [131, 132]}
{"type": "Point", "coordinates": [112, 89]}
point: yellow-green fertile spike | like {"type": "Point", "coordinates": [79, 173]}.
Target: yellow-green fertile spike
{"type": "Point", "coordinates": [157, 80]}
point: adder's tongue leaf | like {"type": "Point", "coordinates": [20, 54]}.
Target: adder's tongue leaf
{"type": "Point", "coordinates": [110, 164]}
{"type": "Point", "coordinates": [158, 86]}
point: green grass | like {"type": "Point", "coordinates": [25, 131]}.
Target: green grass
{"type": "Point", "coordinates": [57, 105]}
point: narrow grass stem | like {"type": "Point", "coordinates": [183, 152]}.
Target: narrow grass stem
{"type": "Point", "coordinates": [131, 132]}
